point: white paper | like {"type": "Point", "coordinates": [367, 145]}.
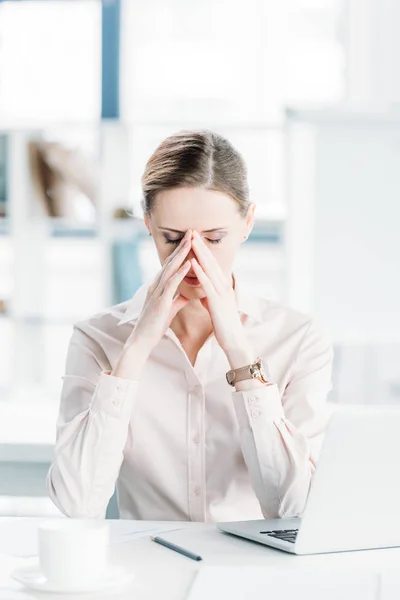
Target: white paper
{"type": "Point", "coordinates": [126, 534]}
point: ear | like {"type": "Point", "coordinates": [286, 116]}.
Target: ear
{"type": "Point", "coordinates": [250, 219]}
{"type": "Point", "coordinates": [147, 224]}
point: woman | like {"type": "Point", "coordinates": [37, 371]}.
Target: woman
{"type": "Point", "coordinates": [148, 402]}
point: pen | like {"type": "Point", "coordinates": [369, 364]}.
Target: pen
{"type": "Point", "coordinates": [179, 549]}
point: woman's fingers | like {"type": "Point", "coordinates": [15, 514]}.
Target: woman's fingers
{"type": "Point", "coordinates": [202, 276]}
{"type": "Point", "coordinates": [183, 243]}
{"type": "Point", "coordinates": [178, 303]}
{"type": "Point", "coordinates": [207, 261]}
{"type": "Point", "coordinates": [173, 262]}
{"type": "Point", "coordinates": [175, 280]}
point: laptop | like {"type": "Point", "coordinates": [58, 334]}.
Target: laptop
{"type": "Point", "coordinates": [354, 500]}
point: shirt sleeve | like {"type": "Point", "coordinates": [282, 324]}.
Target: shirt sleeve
{"type": "Point", "coordinates": [92, 429]}
{"type": "Point", "coordinates": [281, 435]}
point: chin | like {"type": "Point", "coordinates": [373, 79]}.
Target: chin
{"type": "Point", "coordinates": [191, 293]}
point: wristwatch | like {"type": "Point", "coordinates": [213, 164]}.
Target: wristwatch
{"type": "Point", "coordinates": [257, 370]}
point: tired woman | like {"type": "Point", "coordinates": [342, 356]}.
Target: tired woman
{"type": "Point", "coordinates": [196, 399]}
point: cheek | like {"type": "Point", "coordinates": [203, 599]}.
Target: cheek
{"type": "Point", "coordinates": [164, 250]}
{"type": "Point", "coordinates": [224, 253]}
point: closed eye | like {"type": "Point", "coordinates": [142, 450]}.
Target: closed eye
{"type": "Point", "coordinates": [176, 242]}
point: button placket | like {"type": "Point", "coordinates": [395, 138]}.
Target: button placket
{"type": "Point", "coordinates": [203, 358]}
{"type": "Point", "coordinates": [195, 451]}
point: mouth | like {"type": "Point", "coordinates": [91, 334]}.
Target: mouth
{"type": "Point", "coordinates": [191, 280]}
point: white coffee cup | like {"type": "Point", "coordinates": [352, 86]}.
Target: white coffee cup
{"type": "Point", "coordinates": [73, 552]}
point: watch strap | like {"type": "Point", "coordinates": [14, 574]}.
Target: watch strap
{"type": "Point", "coordinates": [243, 373]}
{"type": "Point", "coordinates": [252, 371]}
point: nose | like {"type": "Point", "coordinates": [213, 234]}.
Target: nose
{"type": "Point", "coordinates": [190, 255]}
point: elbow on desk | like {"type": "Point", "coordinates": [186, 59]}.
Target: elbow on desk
{"type": "Point", "coordinates": [70, 501]}
{"type": "Point", "coordinates": [290, 504]}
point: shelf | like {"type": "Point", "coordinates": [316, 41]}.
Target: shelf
{"type": "Point", "coordinates": [59, 227]}
{"type": "Point", "coordinates": [49, 321]}
{"type": "Point", "coordinates": [268, 225]}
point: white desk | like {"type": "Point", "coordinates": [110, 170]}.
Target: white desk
{"type": "Point", "coordinates": [165, 575]}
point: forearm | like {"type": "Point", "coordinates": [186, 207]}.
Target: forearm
{"type": "Point", "coordinates": [132, 361]}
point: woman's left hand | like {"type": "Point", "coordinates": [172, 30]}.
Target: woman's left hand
{"type": "Point", "coordinates": [220, 301]}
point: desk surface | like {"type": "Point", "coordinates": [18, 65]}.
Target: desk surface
{"type": "Point", "coordinates": [162, 573]}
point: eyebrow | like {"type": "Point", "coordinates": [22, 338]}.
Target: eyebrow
{"type": "Point", "coordinates": [183, 232]}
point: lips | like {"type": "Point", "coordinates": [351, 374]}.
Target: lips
{"type": "Point", "coordinates": [192, 281]}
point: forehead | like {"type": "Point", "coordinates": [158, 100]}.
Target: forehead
{"type": "Point", "coordinates": [195, 208]}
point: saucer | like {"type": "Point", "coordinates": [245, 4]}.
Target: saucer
{"type": "Point", "coordinates": [32, 577]}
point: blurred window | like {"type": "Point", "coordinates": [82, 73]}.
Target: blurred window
{"type": "Point", "coordinates": [229, 66]}
{"type": "Point", "coordinates": [50, 60]}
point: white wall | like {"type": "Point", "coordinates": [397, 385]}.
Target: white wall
{"type": "Point", "coordinates": [345, 181]}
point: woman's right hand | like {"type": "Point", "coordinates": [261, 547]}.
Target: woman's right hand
{"type": "Point", "coordinates": [161, 305]}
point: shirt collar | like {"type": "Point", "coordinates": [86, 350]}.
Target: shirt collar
{"type": "Point", "coordinates": [248, 303]}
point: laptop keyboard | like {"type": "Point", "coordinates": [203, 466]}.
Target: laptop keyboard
{"type": "Point", "coordinates": [286, 535]}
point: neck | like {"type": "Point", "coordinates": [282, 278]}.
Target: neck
{"type": "Point", "coordinates": [193, 321]}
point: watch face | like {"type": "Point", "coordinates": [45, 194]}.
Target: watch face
{"type": "Point", "coordinates": [260, 370]}
{"type": "Point", "coordinates": [263, 371]}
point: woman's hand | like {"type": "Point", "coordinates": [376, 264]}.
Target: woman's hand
{"type": "Point", "coordinates": [162, 303]}
{"type": "Point", "coordinates": [220, 302]}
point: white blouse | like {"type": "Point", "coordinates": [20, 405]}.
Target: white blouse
{"type": "Point", "coordinates": [181, 443]}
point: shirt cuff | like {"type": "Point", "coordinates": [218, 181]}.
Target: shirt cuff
{"type": "Point", "coordinates": [114, 395]}
{"type": "Point", "coordinates": [259, 404]}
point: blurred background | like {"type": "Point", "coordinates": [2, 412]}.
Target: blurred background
{"type": "Point", "coordinates": [307, 90]}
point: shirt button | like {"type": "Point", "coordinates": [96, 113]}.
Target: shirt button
{"type": "Point", "coordinates": [121, 388]}
{"type": "Point", "coordinates": [196, 439]}
{"type": "Point", "coordinates": [252, 400]}
{"type": "Point", "coordinates": [255, 413]}
{"type": "Point", "coordinates": [116, 402]}
{"type": "Point", "coordinates": [195, 390]}
{"type": "Point", "coordinates": [197, 490]}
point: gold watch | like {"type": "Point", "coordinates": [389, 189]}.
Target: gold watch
{"type": "Point", "coordinates": [257, 370]}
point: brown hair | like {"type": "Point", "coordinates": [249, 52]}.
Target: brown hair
{"type": "Point", "coordinates": [196, 159]}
